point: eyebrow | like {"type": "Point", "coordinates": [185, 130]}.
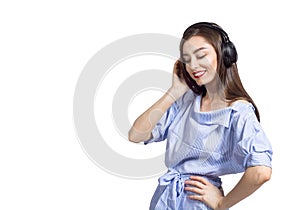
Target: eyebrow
{"type": "Point", "coordinates": [197, 50]}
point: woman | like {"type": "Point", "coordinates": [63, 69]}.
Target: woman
{"type": "Point", "coordinates": [211, 125]}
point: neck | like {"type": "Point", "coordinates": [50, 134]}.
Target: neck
{"type": "Point", "coordinates": [214, 98]}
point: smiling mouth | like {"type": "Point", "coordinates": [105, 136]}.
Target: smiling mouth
{"type": "Point", "coordinates": [198, 74]}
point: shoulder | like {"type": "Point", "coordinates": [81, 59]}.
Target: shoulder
{"type": "Point", "coordinates": [244, 122]}
{"type": "Point", "coordinates": [243, 111]}
{"type": "Point", "coordinates": [244, 102]}
{"type": "Point", "coordinates": [242, 106]}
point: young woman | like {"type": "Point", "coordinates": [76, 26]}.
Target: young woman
{"type": "Point", "coordinates": [211, 125]}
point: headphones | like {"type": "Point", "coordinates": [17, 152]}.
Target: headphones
{"type": "Point", "coordinates": [229, 53]}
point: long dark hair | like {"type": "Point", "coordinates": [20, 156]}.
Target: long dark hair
{"type": "Point", "coordinates": [229, 76]}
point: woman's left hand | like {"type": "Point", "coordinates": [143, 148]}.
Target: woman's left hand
{"type": "Point", "coordinates": [204, 191]}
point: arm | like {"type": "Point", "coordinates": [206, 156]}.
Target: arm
{"type": "Point", "coordinates": [144, 124]}
{"type": "Point", "coordinates": [253, 178]}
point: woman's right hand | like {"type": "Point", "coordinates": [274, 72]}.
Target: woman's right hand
{"type": "Point", "coordinates": [179, 86]}
{"type": "Point", "coordinates": [144, 124]}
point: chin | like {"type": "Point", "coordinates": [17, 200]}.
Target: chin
{"type": "Point", "coordinates": [200, 83]}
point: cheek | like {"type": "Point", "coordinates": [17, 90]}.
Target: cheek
{"type": "Point", "coordinates": [188, 69]}
{"type": "Point", "coordinates": [211, 63]}
{"type": "Point", "coordinates": [215, 64]}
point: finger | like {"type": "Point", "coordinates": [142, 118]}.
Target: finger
{"type": "Point", "coordinates": [195, 183]}
{"type": "Point", "coordinates": [178, 69]}
{"type": "Point", "coordinates": [195, 190]}
{"type": "Point", "coordinates": [196, 197]}
{"type": "Point", "coordinates": [200, 179]}
{"type": "Point", "coordinates": [176, 64]}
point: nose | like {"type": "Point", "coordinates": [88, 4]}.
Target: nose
{"type": "Point", "coordinates": [194, 64]}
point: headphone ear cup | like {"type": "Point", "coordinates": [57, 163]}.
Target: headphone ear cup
{"type": "Point", "coordinates": [229, 54]}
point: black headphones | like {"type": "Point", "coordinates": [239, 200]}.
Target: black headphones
{"type": "Point", "coordinates": [229, 53]}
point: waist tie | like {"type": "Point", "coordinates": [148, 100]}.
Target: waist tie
{"type": "Point", "coordinates": [174, 178]}
{"type": "Point", "coordinates": [173, 183]}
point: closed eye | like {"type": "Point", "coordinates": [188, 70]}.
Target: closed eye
{"type": "Point", "coordinates": [188, 60]}
{"type": "Point", "coordinates": [200, 57]}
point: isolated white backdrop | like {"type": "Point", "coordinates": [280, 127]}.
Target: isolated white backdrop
{"type": "Point", "coordinates": [43, 49]}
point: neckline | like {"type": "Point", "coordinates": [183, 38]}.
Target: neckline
{"type": "Point", "coordinates": [232, 106]}
{"type": "Point", "coordinates": [216, 117]}
{"type": "Point", "coordinates": [198, 105]}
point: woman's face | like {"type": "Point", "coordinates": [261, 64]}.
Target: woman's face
{"type": "Point", "coordinates": [201, 60]}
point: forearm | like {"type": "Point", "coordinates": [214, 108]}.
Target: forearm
{"type": "Point", "coordinates": [144, 124]}
{"type": "Point", "coordinates": [253, 178]}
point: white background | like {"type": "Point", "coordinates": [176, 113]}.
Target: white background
{"type": "Point", "coordinates": [44, 46]}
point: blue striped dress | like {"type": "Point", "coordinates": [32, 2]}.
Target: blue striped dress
{"type": "Point", "coordinates": [208, 144]}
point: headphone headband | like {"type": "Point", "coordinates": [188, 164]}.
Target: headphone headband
{"type": "Point", "coordinates": [213, 26]}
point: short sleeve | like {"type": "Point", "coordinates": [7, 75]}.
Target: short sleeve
{"type": "Point", "coordinates": [252, 147]}
{"type": "Point", "coordinates": [160, 131]}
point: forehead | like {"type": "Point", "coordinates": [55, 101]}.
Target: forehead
{"type": "Point", "coordinates": [194, 43]}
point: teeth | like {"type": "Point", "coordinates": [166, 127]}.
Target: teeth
{"type": "Point", "coordinates": [198, 73]}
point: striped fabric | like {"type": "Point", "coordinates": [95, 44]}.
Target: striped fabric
{"type": "Point", "coordinates": [208, 144]}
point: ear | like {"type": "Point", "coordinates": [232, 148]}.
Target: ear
{"type": "Point", "coordinates": [229, 54]}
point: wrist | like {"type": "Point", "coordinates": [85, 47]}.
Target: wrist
{"type": "Point", "coordinates": [174, 94]}
{"type": "Point", "coordinates": [222, 205]}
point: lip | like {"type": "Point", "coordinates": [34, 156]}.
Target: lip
{"type": "Point", "coordinates": [198, 74]}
